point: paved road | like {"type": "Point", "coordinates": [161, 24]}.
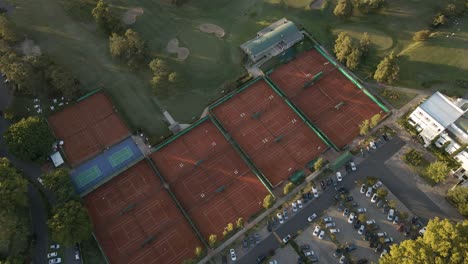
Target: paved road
{"type": "Point", "coordinates": [403, 188]}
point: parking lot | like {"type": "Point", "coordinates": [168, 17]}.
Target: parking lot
{"type": "Point", "coordinates": [286, 254]}
{"type": "Point", "coordinates": [323, 249]}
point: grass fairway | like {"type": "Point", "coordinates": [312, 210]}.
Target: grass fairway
{"type": "Point", "coordinates": [212, 61]}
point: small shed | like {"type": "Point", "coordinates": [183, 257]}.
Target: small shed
{"type": "Point", "coordinates": [57, 159]}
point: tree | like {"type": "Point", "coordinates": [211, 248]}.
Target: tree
{"type": "Point", "coordinates": [7, 30]}
{"type": "Point", "coordinates": [437, 171]}
{"type": "Point", "coordinates": [354, 58]}
{"type": "Point", "coordinates": [212, 240]}
{"type": "Point", "coordinates": [19, 71]}
{"type": "Point", "coordinates": [392, 204]}
{"type": "Point", "coordinates": [422, 35]}
{"type": "Point", "coordinates": [371, 181]}
{"type": "Point", "coordinates": [105, 19]}
{"type": "Point", "coordinates": [459, 197]}
{"type": "Point", "coordinates": [59, 182]}
{"type": "Point", "coordinates": [439, 19]}
{"type": "Point", "coordinates": [364, 127]}
{"type": "Point", "coordinates": [163, 79]}
{"type": "Point", "coordinates": [318, 164]}
{"type": "Point", "coordinates": [382, 193]}
{"type": "Point", "coordinates": [364, 43]}
{"type": "Point", "coordinates": [62, 80]}
{"type": "Point", "coordinates": [288, 188]}
{"type": "Point", "coordinates": [343, 46]}
{"type": "Point", "coordinates": [198, 251]}
{"type": "Point", "coordinates": [240, 223]}
{"type": "Point", "coordinates": [128, 47]}
{"type": "Point", "coordinates": [13, 187]}
{"type": "Point", "coordinates": [367, 6]}
{"type": "Point", "coordinates": [70, 224]}
{"type": "Point", "coordinates": [230, 227]}
{"type": "Point", "coordinates": [443, 242]}
{"type": "Point", "coordinates": [343, 9]}
{"type": "Point", "coordinates": [387, 70]}
{"type": "Point", "coordinates": [374, 121]}
{"type": "Point", "coordinates": [362, 218]}
{"type": "Point", "coordinates": [225, 232]}
{"type": "Point", "coordinates": [29, 139]}
{"type": "Point", "coordinates": [268, 201]}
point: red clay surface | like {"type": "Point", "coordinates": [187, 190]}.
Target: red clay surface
{"type": "Point", "coordinates": [210, 179]}
{"type": "Point", "coordinates": [87, 128]}
{"type": "Point", "coordinates": [318, 101]}
{"type": "Point", "coordinates": [121, 231]}
{"type": "Point", "coordinates": [273, 136]}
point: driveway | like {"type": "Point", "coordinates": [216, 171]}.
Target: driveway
{"type": "Point", "coordinates": [402, 186]}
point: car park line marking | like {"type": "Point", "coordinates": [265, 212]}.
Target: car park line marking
{"type": "Point", "coordinates": [277, 237]}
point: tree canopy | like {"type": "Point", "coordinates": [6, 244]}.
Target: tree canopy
{"type": "Point", "coordinates": [443, 242]}
{"type": "Point", "coordinates": [387, 70]}
{"type": "Point", "coordinates": [163, 79]}
{"type": "Point", "coordinates": [437, 171]}
{"type": "Point", "coordinates": [459, 196]}
{"type": "Point", "coordinates": [13, 187]}
{"type": "Point", "coordinates": [29, 139]}
{"type": "Point", "coordinates": [105, 19]}
{"type": "Point", "coordinates": [268, 201]}
{"type": "Point", "coordinates": [128, 47]}
{"type": "Point", "coordinates": [7, 30]}
{"type": "Point", "coordinates": [59, 182]}
{"type": "Point", "coordinates": [343, 9]}
{"type": "Point", "coordinates": [421, 35]}
{"type": "Point", "coordinates": [70, 223]}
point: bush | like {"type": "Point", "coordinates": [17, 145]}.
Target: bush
{"type": "Point", "coordinates": [268, 201]}
{"type": "Point", "coordinates": [422, 35]}
{"type": "Point", "coordinates": [288, 188]}
{"type": "Point", "coordinates": [459, 197]}
{"type": "Point", "coordinates": [414, 158]}
{"type": "Point", "coordinates": [437, 171]}
{"type": "Point", "coordinates": [391, 95]}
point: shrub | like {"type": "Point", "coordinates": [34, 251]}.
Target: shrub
{"type": "Point", "coordinates": [288, 188]}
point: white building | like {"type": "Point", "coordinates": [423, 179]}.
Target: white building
{"type": "Point", "coordinates": [447, 120]}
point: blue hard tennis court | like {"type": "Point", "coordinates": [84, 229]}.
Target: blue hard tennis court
{"type": "Point", "coordinates": [94, 172]}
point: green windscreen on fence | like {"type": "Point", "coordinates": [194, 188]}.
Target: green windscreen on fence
{"type": "Point", "coordinates": [340, 161]}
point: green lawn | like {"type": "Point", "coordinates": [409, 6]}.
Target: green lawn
{"type": "Point", "coordinates": [212, 61]}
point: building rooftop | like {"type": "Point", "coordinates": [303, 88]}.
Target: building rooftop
{"type": "Point", "coordinates": [442, 109]}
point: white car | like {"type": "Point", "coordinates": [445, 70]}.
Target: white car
{"type": "Point", "coordinates": [280, 218]}
{"type": "Point", "coordinates": [315, 191]}
{"type": "Point", "coordinates": [369, 192]}
{"type": "Point", "coordinates": [286, 239]}
{"type": "Point", "coordinates": [40, 181]}
{"type": "Point", "coordinates": [327, 219]}
{"type": "Point", "coordinates": [299, 204]}
{"type": "Point", "coordinates": [382, 234]}
{"type": "Point", "coordinates": [273, 262]}
{"type": "Point", "coordinates": [370, 222]}
{"type": "Point", "coordinates": [294, 207]}
{"type": "Point", "coordinates": [331, 224]}
{"type": "Point", "coordinates": [422, 231]}
{"type": "Point", "coordinates": [361, 229]}
{"type": "Point", "coordinates": [52, 255]}
{"type": "Point", "coordinates": [316, 231]}
{"type": "Point", "coordinates": [361, 210]}
{"type": "Point", "coordinates": [384, 252]}
{"type": "Point", "coordinates": [351, 218]}
{"type": "Point", "coordinates": [388, 240]}
{"type": "Point", "coordinates": [312, 218]}
{"type": "Point", "coordinates": [233, 254]}
{"type": "Point", "coordinates": [55, 246]}
{"type": "Point", "coordinates": [363, 188]}
{"type": "Point", "coordinates": [334, 230]}
{"type": "Point", "coordinates": [321, 235]}
{"type": "Point", "coordinates": [374, 198]}
{"type": "Point", "coordinates": [391, 214]}
{"type": "Point", "coordinates": [372, 145]}
{"type": "Point", "coordinates": [338, 176]}
{"type": "Point", "coordinates": [353, 166]}
{"type": "Point", "coordinates": [55, 261]}
{"type": "Point", "coordinates": [377, 185]}
{"type": "Point", "coordinates": [342, 259]}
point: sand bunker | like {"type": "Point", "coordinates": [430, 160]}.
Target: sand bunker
{"type": "Point", "coordinates": [212, 28]}
{"type": "Point", "coordinates": [29, 48]}
{"type": "Point", "coordinates": [130, 16]}
{"type": "Point", "coordinates": [173, 47]}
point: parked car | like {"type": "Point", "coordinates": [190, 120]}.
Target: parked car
{"type": "Point", "coordinates": [338, 176]}
{"type": "Point", "coordinates": [342, 260]}
{"type": "Point", "coordinates": [353, 166]}
{"type": "Point", "coordinates": [384, 252]}
{"type": "Point", "coordinates": [55, 246]}
{"type": "Point", "coordinates": [361, 229]}
{"type": "Point", "coordinates": [252, 239]}
{"type": "Point", "coordinates": [309, 196]}
{"type": "Point", "coordinates": [349, 198]}
{"type": "Point", "coordinates": [422, 231]}
{"type": "Point", "coordinates": [382, 234]}
{"type": "Point", "coordinates": [372, 145]}
{"type": "Point", "coordinates": [321, 235]}
{"type": "Point", "coordinates": [377, 185]}
{"type": "Point", "coordinates": [369, 192]}
{"type": "Point", "coordinates": [280, 218]}
{"type": "Point", "coordinates": [312, 217]}
{"type": "Point", "coordinates": [374, 198]}
{"type": "Point", "coordinates": [334, 230]}
{"type": "Point", "coordinates": [346, 212]}
{"type": "Point", "coordinates": [77, 252]}
{"type": "Point", "coordinates": [286, 239]}
{"type": "Point", "coordinates": [380, 204]}
{"type": "Point", "coordinates": [395, 220]}
{"type": "Point", "coordinates": [322, 184]}
{"type": "Point", "coordinates": [370, 222]}
{"type": "Point", "coordinates": [330, 224]}
{"type": "Point", "coordinates": [361, 210]}
{"type": "Point", "coordinates": [315, 191]}
{"type": "Point", "coordinates": [342, 190]}
{"type": "Point", "coordinates": [285, 214]}
{"type": "Point", "coordinates": [294, 207]}
{"type": "Point", "coordinates": [257, 239]}
{"type": "Point", "coordinates": [55, 261]}
{"type": "Point", "coordinates": [245, 243]}
{"type": "Point", "coordinates": [316, 231]}
{"type": "Point", "coordinates": [363, 188]}
{"type": "Point", "coordinates": [327, 219]}
{"type": "Point", "coordinates": [299, 204]}
{"type": "Point", "coordinates": [391, 214]}
{"type": "Point", "coordinates": [388, 240]}
{"type": "Point", "coordinates": [351, 218]}
{"type": "Point", "coordinates": [350, 247]}
{"type": "Point", "coordinates": [52, 255]}
{"type": "Point", "coordinates": [232, 252]}
{"type": "Point", "coordinates": [261, 259]}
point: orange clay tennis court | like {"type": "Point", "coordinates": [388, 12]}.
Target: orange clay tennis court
{"type": "Point", "coordinates": [212, 182]}
{"type": "Point", "coordinates": [274, 137]}
{"type": "Point", "coordinates": [333, 103]}
{"type": "Point", "coordinates": [87, 128]}
{"type": "Point", "coordinates": [136, 220]}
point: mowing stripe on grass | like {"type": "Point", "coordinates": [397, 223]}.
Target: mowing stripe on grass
{"type": "Point", "coordinates": [88, 175]}
{"type": "Point", "coordinates": [120, 156]}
